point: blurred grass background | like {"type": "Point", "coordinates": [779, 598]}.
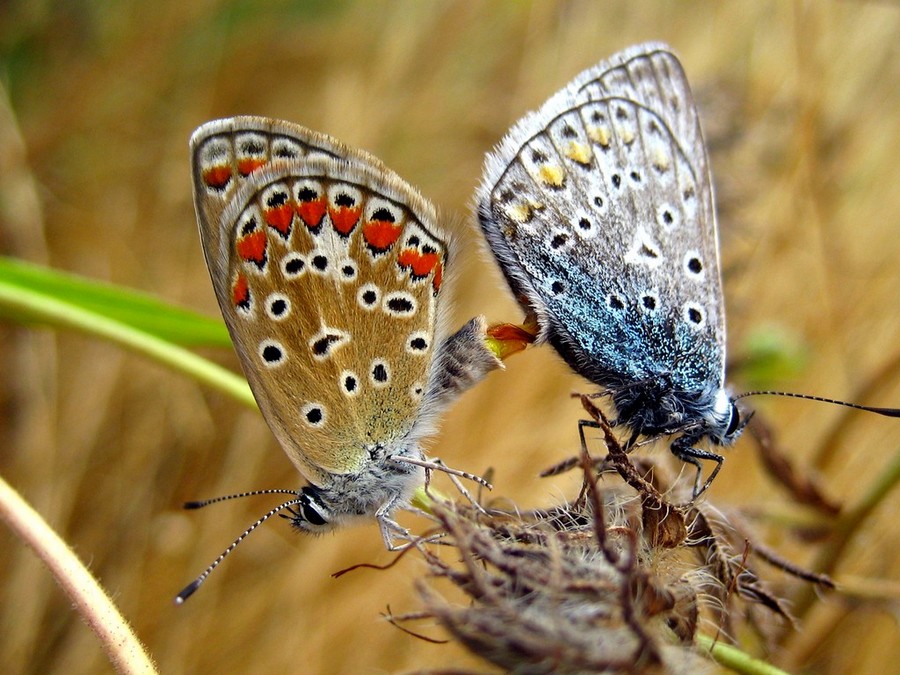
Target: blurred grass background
{"type": "Point", "coordinates": [800, 103]}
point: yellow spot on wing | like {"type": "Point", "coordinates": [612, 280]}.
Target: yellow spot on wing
{"type": "Point", "coordinates": [579, 152]}
{"type": "Point", "coordinates": [523, 211]}
{"type": "Point", "coordinates": [660, 159]}
{"type": "Point", "coordinates": [599, 135]}
{"type": "Point", "coordinates": [552, 175]}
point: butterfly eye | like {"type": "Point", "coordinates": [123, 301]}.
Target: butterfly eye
{"type": "Point", "coordinates": [311, 508]}
{"type": "Point", "coordinates": [734, 422]}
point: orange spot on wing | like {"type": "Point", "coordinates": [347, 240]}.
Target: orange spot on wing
{"type": "Point", "coordinates": [438, 277]}
{"type": "Point", "coordinates": [421, 264]}
{"type": "Point", "coordinates": [240, 292]}
{"type": "Point", "coordinates": [312, 212]}
{"type": "Point", "coordinates": [344, 218]}
{"type": "Point", "coordinates": [380, 235]}
{"type": "Point", "coordinates": [280, 218]}
{"type": "Point", "coordinates": [249, 164]}
{"type": "Point", "coordinates": [217, 177]}
{"type": "Point", "coordinates": [252, 247]}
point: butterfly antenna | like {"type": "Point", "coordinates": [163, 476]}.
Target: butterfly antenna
{"type": "Point", "coordinates": [887, 412]}
{"type": "Point", "coordinates": [206, 502]}
{"type": "Point", "coordinates": [189, 590]}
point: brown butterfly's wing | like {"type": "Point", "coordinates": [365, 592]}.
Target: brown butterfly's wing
{"type": "Point", "coordinates": [328, 269]}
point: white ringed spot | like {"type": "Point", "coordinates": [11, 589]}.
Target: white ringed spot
{"type": "Point", "coordinates": [668, 216]}
{"type": "Point", "coordinates": [694, 315]}
{"type": "Point", "coordinates": [347, 270]}
{"type": "Point", "coordinates": [319, 262]}
{"type": "Point", "coordinates": [585, 226]}
{"type": "Point", "coordinates": [349, 383]}
{"type": "Point", "coordinates": [416, 391]}
{"type": "Point", "coordinates": [272, 353]}
{"type": "Point", "coordinates": [417, 343]}
{"type": "Point", "coordinates": [693, 266]}
{"type": "Point", "coordinates": [278, 306]}
{"type": "Point", "coordinates": [400, 305]}
{"type": "Point", "coordinates": [644, 251]}
{"type": "Point", "coordinates": [379, 373]}
{"type": "Point", "coordinates": [314, 415]}
{"type": "Point", "coordinates": [368, 296]}
{"type": "Point", "coordinates": [293, 265]}
{"type": "Point", "coordinates": [327, 341]}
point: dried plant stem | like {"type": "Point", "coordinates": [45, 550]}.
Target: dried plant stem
{"type": "Point", "coordinates": [848, 525]}
{"type": "Point", "coordinates": [843, 427]}
{"type": "Point", "coordinates": [820, 620]}
{"type": "Point", "coordinates": [119, 642]}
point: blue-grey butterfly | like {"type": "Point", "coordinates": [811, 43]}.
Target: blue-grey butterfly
{"type": "Point", "coordinates": [598, 208]}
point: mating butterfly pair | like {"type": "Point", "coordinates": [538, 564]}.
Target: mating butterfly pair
{"type": "Point", "coordinates": [329, 268]}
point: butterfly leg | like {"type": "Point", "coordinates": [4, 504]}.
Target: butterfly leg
{"type": "Point", "coordinates": [391, 529]}
{"type": "Point", "coordinates": [683, 448]}
{"type": "Point", "coordinates": [459, 486]}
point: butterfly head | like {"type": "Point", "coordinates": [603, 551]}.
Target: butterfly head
{"type": "Point", "coordinates": [724, 422]}
{"type": "Point", "coordinates": [311, 513]}
{"type": "Point", "coordinates": [383, 481]}
{"type": "Point", "coordinates": [654, 407]}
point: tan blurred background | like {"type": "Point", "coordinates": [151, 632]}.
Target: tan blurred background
{"type": "Point", "coordinates": [801, 102]}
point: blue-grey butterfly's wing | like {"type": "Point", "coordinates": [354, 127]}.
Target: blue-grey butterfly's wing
{"type": "Point", "coordinates": [328, 270]}
{"type": "Point", "coordinates": [599, 210]}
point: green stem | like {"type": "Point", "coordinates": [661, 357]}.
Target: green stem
{"type": "Point", "coordinates": [734, 659]}
{"type": "Point", "coordinates": [40, 307]}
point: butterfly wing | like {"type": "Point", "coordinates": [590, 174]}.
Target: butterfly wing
{"type": "Point", "coordinates": [599, 210]}
{"type": "Point", "coordinates": [328, 269]}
